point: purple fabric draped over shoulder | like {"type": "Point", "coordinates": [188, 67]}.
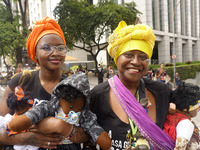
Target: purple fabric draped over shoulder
{"type": "Point", "coordinates": [157, 138]}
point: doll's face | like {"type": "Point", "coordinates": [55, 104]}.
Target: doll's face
{"type": "Point", "coordinates": [77, 105]}
{"type": "Point", "coordinates": [22, 109]}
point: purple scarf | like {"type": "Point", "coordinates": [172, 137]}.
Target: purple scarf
{"type": "Point", "coordinates": [156, 136]}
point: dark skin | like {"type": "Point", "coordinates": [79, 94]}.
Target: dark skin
{"type": "Point", "coordinates": [49, 76]}
{"type": "Point", "coordinates": [22, 109]}
{"type": "Point", "coordinates": [50, 125]}
{"type": "Point", "coordinates": [132, 66]}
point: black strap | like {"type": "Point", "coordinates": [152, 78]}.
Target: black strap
{"type": "Point", "coordinates": [142, 93]}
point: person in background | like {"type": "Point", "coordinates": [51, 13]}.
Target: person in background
{"type": "Point", "coordinates": [150, 74]}
{"type": "Point", "coordinates": [177, 79]}
{"type": "Point", "coordinates": [86, 69]}
{"type": "Point", "coordinates": [27, 67]}
{"type": "Point", "coordinates": [100, 74]}
{"type": "Point", "coordinates": [19, 68]}
{"type": "Point", "coordinates": [46, 46]}
{"type": "Point", "coordinates": [118, 102]}
{"type": "Point", "coordinates": [110, 72]}
{"type": "Point", "coordinates": [161, 74]}
{"type": "Point", "coordinates": [80, 68]}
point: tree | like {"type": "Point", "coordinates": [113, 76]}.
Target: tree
{"type": "Point", "coordinates": [11, 37]}
{"type": "Point", "coordinates": [87, 24]}
{"type": "Point", "coordinates": [16, 34]}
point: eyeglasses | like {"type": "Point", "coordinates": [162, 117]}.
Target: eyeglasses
{"type": "Point", "coordinates": [47, 49]}
{"type": "Point", "coordinates": [141, 57]}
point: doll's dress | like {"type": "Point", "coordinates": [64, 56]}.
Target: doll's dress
{"type": "Point", "coordinates": [4, 121]}
{"type": "Point", "coordinates": [3, 125]}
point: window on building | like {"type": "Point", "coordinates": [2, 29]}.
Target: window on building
{"type": "Point", "coordinates": [160, 10]}
{"type": "Point", "coordinates": [169, 21]}
{"type": "Point", "coordinates": [116, 1]}
{"type": "Point", "coordinates": [89, 57]}
{"type": "Point", "coordinates": [90, 2]}
{"type": "Point", "coordinates": [153, 14]}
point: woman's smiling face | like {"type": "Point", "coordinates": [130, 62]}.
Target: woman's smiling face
{"type": "Point", "coordinates": [54, 60]}
{"type": "Point", "coordinates": [132, 65]}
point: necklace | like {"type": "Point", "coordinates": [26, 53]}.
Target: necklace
{"type": "Point", "coordinates": [134, 138]}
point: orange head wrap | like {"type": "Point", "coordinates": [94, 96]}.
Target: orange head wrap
{"type": "Point", "coordinates": [41, 28]}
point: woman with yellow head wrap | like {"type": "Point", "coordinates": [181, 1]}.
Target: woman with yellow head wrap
{"type": "Point", "coordinates": [46, 46]}
{"type": "Point", "coordinates": [134, 37]}
{"type": "Point", "coordinates": [128, 106]}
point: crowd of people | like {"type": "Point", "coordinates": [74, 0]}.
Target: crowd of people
{"type": "Point", "coordinates": [127, 111]}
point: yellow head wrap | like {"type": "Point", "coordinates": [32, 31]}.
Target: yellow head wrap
{"type": "Point", "coordinates": [193, 107]}
{"type": "Point", "coordinates": [133, 37]}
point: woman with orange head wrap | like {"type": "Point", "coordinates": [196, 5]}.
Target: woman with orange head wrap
{"type": "Point", "coordinates": [46, 46]}
{"type": "Point", "coordinates": [132, 109]}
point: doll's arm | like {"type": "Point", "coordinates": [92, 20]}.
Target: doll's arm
{"type": "Point", "coordinates": [36, 114]}
{"type": "Point", "coordinates": [51, 125]}
{"type": "Point", "coordinates": [184, 131]}
{"type": "Point", "coordinates": [89, 123]}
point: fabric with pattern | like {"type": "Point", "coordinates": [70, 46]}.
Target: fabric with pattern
{"type": "Point", "coordinates": [88, 120]}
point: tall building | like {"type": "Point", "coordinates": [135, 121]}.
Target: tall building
{"type": "Point", "coordinates": [173, 21]}
{"type": "Point", "coordinates": [176, 24]}
{"type": "Point", "coordinates": [39, 9]}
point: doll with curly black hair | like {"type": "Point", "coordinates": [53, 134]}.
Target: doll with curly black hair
{"type": "Point", "coordinates": [69, 104]}
{"type": "Point", "coordinates": [19, 102]}
{"type": "Point", "coordinates": [178, 124]}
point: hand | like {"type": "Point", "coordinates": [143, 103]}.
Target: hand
{"type": "Point", "coordinates": [49, 141]}
{"type": "Point", "coordinates": [30, 138]}
{"type": "Point", "coordinates": [48, 125]}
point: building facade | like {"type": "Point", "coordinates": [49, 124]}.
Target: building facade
{"type": "Point", "coordinates": [176, 24]}
{"type": "Point", "coordinates": [39, 9]}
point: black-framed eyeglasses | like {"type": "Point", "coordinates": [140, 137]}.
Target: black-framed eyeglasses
{"type": "Point", "coordinates": [47, 49]}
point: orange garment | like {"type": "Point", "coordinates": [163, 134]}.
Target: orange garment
{"type": "Point", "coordinates": [41, 28]}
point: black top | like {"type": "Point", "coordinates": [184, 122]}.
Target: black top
{"type": "Point", "coordinates": [34, 86]}
{"type": "Point", "coordinates": [112, 124]}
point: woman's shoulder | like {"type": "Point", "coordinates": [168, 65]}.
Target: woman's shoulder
{"type": "Point", "coordinates": [100, 88]}
{"type": "Point", "coordinates": [16, 77]}
{"type": "Point", "coordinates": [155, 85]}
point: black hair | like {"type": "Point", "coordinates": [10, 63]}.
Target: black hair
{"type": "Point", "coordinates": [185, 95]}
{"type": "Point", "coordinates": [12, 101]}
{"type": "Point", "coordinates": [68, 93]}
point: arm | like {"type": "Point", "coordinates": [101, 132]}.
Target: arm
{"type": "Point", "coordinates": [50, 125]}
{"type": "Point", "coordinates": [89, 123]}
{"type": "Point", "coordinates": [30, 138]}
{"type": "Point", "coordinates": [36, 114]}
{"type": "Point", "coordinates": [27, 138]}
{"type": "Point", "coordinates": [3, 106]}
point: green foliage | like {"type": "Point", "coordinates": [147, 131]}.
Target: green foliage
{"type": "Point", "coordinates": [185, 70]}
{"type": "Point", "coordinates": [74, 68]}
{"type": "Point", "coordinates": [88, 24]}
{"type": "Point", "coordinates": [12, 39]}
